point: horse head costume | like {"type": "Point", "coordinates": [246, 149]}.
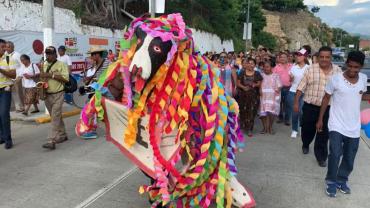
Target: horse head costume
{"type": "Point", "coordinates": [171, 116]}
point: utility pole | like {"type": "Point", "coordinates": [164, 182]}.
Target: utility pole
{"type": "Point", "coordinates": [48, 22]}
{"type": "Point", "coordinates": [152, 8]}
{"type": "Point", "coordinates": [247, 41]}
{"type": "Point", "coordinates": [48, 26]}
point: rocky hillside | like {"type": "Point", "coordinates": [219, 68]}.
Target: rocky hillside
{"type": "Point", "coordinates": [295, 29]}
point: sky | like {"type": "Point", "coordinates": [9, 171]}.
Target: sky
{"type": "Point", "coordinates": [350, 15]}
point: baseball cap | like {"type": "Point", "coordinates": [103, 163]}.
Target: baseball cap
{"type": "Point", "coordinates": [302, 52]}
{"type": "Point", "coordinates": [50, 50]}
{"type": "Point", "coordinates": [62, 48]}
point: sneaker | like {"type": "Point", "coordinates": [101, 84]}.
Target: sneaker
{"type": "Point", "coordinates": [2, 142]}
{"type": "Point", "coordinates": [50, 145]}
{"type": "Point", "coordinates": [61, 140]}
{"type": "Point", "coordinates": [89, 135]}
{"type": "Point", "coordinates": [8, 145]}
{"type": "Point", "coordinates": [294, 134]}
{"type": "Point", "coordinates": [331, 190]}
{"type": "Point", "coordinates": [344, 188]}
{"type": "Point", "coordinates": [305, 150]}
{"type": "Point", "coordinates": [322, 163]}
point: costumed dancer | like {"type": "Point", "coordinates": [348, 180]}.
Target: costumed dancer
{"type": "Point", "coordinates": [169, 87]}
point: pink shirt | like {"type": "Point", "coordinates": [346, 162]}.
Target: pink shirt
{"type": "Point", "coordinates": [283, 72]}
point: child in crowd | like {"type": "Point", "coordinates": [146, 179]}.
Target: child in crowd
{"type": "Point", "coordinates": [270, 98]}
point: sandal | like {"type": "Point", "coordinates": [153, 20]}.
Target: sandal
{"type": "Point", "coordinates": [25, 113]}
{"type": "Point", "coordinates": [35, 111]}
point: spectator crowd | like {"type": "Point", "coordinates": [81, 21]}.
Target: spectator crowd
{"type": "Point", "coordinates": [320, 101]}
{"type": "Point", "coordinates": [47, 81]}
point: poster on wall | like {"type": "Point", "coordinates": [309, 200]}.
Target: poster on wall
{"type": "Point", "coordinates": [77, 46]}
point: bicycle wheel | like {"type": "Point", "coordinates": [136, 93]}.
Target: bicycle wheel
{"type": "Point", "coordinates": [79, 100]}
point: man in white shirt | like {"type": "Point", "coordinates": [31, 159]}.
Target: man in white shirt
{"type": "Point", "coordinates": [16, 58]}
{"type": "Point", "coordinates": [63, 57]}
{"type": "Point", "coordinates": [344, 91]}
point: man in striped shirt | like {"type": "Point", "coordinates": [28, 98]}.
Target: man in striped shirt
{"type": "Point", "coordinates": [7, 73]}
{"type": "Point", "coordinates": [313, 86]}
{"type": "Point", "coordinates": [92, 76]}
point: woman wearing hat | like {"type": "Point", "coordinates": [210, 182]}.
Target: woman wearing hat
{"type": "Point", "coordinates": [296, 74]}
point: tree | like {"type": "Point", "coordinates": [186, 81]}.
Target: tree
{"type": "Point", "coordinates": [315, 9]}
{"type": "Point", "coordinates": [265, 39]}
{"type": "Point", "coordinates": [283, 5]}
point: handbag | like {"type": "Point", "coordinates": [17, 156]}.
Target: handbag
{"type": "Point", "coordinates": [41, 85]}
{"type": "Point", "coordinates": [35, 79]}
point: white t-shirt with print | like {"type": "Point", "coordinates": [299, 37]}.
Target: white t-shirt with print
{"type": "Point", "coordinates": [346, 99]}
{"type": "Point", "coordinates": [29, 83]}
{"type": "Point", "coordinates": [65, 59]}
{"type": "Point", "coordinates": [16, 57]}
{"type": "Point", "coordinates": [297, 72]}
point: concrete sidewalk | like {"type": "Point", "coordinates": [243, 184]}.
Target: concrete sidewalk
{"type": "Point", "coordinates": [42, 117]}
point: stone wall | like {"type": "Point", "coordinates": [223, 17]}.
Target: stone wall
{"type": "Point", "coordinates": [291, 29]}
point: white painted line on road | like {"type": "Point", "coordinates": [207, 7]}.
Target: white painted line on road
{"type": "Point", "coordinates": [107, 188]}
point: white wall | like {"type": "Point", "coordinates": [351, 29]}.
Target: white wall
{"type": "Point", "coordinates": [25, 16]}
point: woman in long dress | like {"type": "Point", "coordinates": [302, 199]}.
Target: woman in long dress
{"type": "Point", "coordinates": [248, 83]}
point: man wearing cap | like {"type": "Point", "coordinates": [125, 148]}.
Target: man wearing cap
{"type": "Point", "coordinates": [296, 75]}
{"type": "Point", "coordinates": [55, 73]}
{"type": "Point", "coordinates": [7, 73]}
{"type": "Point", "coordinates": [313, 86]}
{"type": "Point", "coordinates": [92, 75]}
{"type": "Point", "coordinates": [63, 57]}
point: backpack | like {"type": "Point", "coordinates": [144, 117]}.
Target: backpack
{"type": "Point", "coordinates": [71, 85]}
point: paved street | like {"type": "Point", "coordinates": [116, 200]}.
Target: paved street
{"type": "Point", "coordinates": [95, 174]}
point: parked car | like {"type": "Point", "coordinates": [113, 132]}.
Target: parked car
{"type": "Point", "coordinates": [338, 60]}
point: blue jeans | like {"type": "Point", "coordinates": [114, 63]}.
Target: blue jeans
{"type": "Point", "coordinates": [284, 114]}
{"type": "Point", "coordinates": [340, 145]}
{"type": "Point", "coordinates": [5, 101]}
{"type": "Point", "coordinates": [296, 117]}
{"type": "Point", "coordinates": [68, 97]}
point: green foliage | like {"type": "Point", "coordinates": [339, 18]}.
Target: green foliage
{"type": "Point", "coordinates": [321, 32]}
{"type": "Point", "coordinates": [315, 9]}
{"type": "Point", "coordinates": [265, 39]}
{"type": "Point", "coordinates": [283, 5]}
{"type": "Point", "coordinates": [342, 38]}
{"type": "Point", "coordinates": [216, 16]}
{"type": "Point", "coordinates": [78, 9]}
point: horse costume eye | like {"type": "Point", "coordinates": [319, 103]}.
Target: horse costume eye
{"type": "Point", "coordinates": [157, 49]}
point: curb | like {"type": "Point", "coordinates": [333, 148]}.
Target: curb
{"type": "Point", "coordinates": [47, 119]}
